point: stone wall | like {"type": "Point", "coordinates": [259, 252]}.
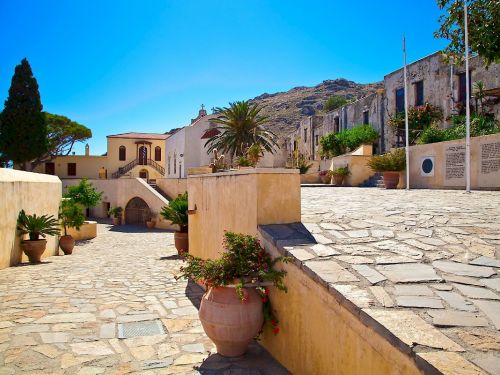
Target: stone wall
{"type": "Point", "coordinates": [172, 186]}
{"type": "Point", "coordinates": [35, 193]}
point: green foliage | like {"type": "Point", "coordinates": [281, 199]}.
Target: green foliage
{"type": "Point", "coordinates": [334, 102]}
{"type": "Point", "coordinates": [479, 125]}
{"type": "Point", "coordinates": [302, 165]}
{"type": "Point", "coordinates": [334, 144]}
{"type": "Point", "coordinates": [341, 171]}
{"type": "Point", "coordinates": [243, 162]}
{"type": "Point", "coordinates": [70, 215]}
{"type": "Point", "coordinates": [84, 193]}
{"type": "Point", "coordinates": [484, 28]}
{"type": "Point", "coordinates": [37, 226]}
{"type": "Point", "coordinates": [23, 132]}
{"type": "Point", "coordinates": [177, 211]}
{"type": "Point", "coordinates": [116, 212]}
{"type": "Point", "coordinates": [394, 161]}
{"type": "Point", "coordinates": [254, 153]}
{"type": "Point", "coordinates": [244, 261]}
{"type": "Point", "coordinates": [419, 118]}
{"type": "Point", "coordinates": [241, 125]}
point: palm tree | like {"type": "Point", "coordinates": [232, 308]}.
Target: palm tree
{"type": "Point", "coordinates": [240, 126]}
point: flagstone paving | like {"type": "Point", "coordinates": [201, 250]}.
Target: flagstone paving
{"type": "Point", "coordinates": [423, 263]}
{"type": "Point", "coordinates": [64, 316]}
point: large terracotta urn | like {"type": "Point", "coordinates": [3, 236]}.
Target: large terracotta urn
{"type": "Point", "coordinates": [391, 180]}
{"type": "Point", "coordinates": [67, 243]}
{"type": "Point", "coordinates": [34, 249]}
{"type": "Point", "coordinates": [181, 241]}
{"type": "Point", "coordinates": [230, 322]}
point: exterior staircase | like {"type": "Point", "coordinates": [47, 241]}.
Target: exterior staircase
{"type": "Point", "coordinates": [122, 170]}
{"type": "Point", "coordinates": [377, 180]}
{"type": "Point", "coordinates": [152, 183]}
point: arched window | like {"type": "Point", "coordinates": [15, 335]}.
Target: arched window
{"type": "Point", "coordinates": [157, 153]}
{"type": "Point", "coordinates": [122, 153]}
{"type": "Point", "coordinates": [169, 164]}
{"type": "Point", "coordinates": [175, 163]}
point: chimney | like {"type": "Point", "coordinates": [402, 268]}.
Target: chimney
{"type": "Point", "coordinates": [87, 150]}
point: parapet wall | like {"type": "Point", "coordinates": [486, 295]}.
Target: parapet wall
{"type": "Point", "coordinates": [35, 193]}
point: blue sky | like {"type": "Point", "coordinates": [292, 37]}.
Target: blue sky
{"type": "Point", "coordinates": [119, 66]}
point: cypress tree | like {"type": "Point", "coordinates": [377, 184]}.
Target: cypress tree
{"type": "Point", "coordinates": [23, 132]}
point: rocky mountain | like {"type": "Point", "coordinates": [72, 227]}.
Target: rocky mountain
{"type": "Point", "coordinates": [286, 109]}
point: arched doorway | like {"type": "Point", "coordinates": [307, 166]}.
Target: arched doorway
{"type": "Point", "coordinates": [143, 173]}
{"type": "Point", "coordinates": [143, 155]}
{"type": "Point", "coordinates": [136, 211]}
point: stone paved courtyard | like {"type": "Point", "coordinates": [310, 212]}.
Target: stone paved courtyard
{"type": "Point", "coordinates": [64, 316]}
{"type": "Point", "coordinates": [424, 263]}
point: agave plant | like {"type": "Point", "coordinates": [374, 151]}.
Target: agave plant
{"type": "Point", "coordinates": [240, 126]}
{"type": "Point", "coordinates": [176, 212]}
{"type": "Point", "coordinates": [37, 226]}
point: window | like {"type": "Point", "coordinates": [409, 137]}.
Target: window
{"type": "Point", "coordinates": [305, 135]}
{"type": "Point", "coordinates": [175, 163]}
{"type": "Point", "coordinates": [462, 94]}
{"type": "Point", "coordinates": [317, 139]}
{"type": "Point", "coordinates": [168, 165]}
{"type": "Point", "coordinates": [336, 124]}
{"type": "Point", "coordinates": [400, 100]}
{"type": "Point", "coordinates": [366, 115]}
{"type": "Point", "coordinates": [71, 169]}
{"type": "Point", "coordinates": [157, 153]}
{"type": "Point", "coordinates": [50, 168]}
{"type": "Point", "coordinates": [122, 153]}
{"type": "Point", "coordinates": [419, 93]}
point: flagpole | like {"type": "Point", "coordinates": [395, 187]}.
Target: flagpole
{"type": "Point", "coordinates": [467, 103]}
{"type": "Point", "coordinates": [406, 118]}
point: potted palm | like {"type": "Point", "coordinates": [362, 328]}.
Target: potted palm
{"type": "Point", "coordinates": [70, 216]}
{"type": "Point", "coordinates": [116, 212]}
{"type": "Point", "coordinates": [176, 212]}
{"type": "Point", "coordinates": [339, 174]}
{"type": "Point", "coordinates": [36, 227]}
{"type": "Point", "coordinates": [391, 164]}
{"type": "Point", "coordinates": [236, 304]}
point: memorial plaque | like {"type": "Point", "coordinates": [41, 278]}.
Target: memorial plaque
{"type": "Point", "coordinates": [489, 175]}
{"type": "Point", "coordinates": [455, 165]}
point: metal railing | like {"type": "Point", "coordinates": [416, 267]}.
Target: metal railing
{"type": "Point", "coordinates": [122, 170]}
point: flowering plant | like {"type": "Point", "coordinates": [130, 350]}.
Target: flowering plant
{"type": "Point", "coordinates": [244, 263]}
{"type": "Point", "coordinates": [323, 173]}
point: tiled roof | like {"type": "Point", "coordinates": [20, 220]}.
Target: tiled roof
{"type": "Point", "coordinates": [140, 136]}
{"type": "Point", "coordinates": [210, 133]}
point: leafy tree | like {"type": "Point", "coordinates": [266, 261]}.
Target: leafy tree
{"type": "Point", "coordinates": [334, 102]}
{"type": "Point", "coordinates": [62, 134]}
{"type": "Point", "coordinates": [240, 126]}
{"type": "Point", "coordinates": [484, 28]}
{"type": "Point", "coordinates": [84, 193]}
{"type": "Point", "coordinates": [23, 132]}
{"type": "Point", "coordinates": [334, 144]}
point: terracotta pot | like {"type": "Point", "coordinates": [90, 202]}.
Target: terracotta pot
{"type": "Point", "coordinates": [181, 242]}
{"type": "Point", "coordinates": [229, 322]}
{"type": "Point", "coordinates": [391, 180]}
{"type": "Point", "coordinates": [326, 179]}
{"type": "Point", "coordinates": [34, 249]}
{"type": "Point", "coordinates": [67, 243]}
{"type": "Point", "coordinates": [117, 220]}
{"type": "Point", "coordinates": [339, 180]}
{"type": "Point", "coordinates": [150, 224]}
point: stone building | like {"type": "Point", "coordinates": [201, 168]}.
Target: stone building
{"type": "Point", "coordinates": [430, 80]}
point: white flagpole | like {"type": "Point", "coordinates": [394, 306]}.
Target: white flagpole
{"type": "Point", "coordinates": [406, 118]}
{"type": "Point", "coordinates": [467, 103]}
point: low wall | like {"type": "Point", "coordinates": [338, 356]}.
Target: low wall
{"type": "Point", "coordinates": [320, 335]}
{"type": "Point", "coordinates": [239, 201]}
{"type": "Point", "coordinates": [118, 192]}
{"type": "Point", "coordinates": [86, 232]}
{"type": "Point", "coordinates": [172, 186]}
{"type": "Point", "coordinates": [442, 165]}
{"type": "Point", "coordinates": [35, 193]}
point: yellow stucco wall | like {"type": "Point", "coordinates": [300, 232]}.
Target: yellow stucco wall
{"type": "Point", "coordinates": [438, 152]}
{"type": "Point", "coordinates": [86, 232]}
{"type": "Point", "coordinates": [357, 166]}
{"type": "Point", "coordinates": [35, 193]}
{"type": "Point", "coordinates": [239, 201]}
{"type": "Point", "coordinates": [172, 186]}
{"type": "Point", "coordinates": [320, 336]}
{"type": "Point", "coordinates": [86, 166]}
